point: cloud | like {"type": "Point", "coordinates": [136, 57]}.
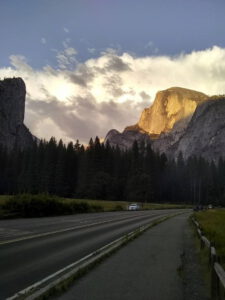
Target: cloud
{"type": "Point", "coordinates": [70, 51]}
{"type": "Point", "coordinates": [115, 63]}
{"type": "Point", "coordinates": [91, 50]}
{"type": "Point", "coordinates": [66, 42]}
{"type": "Point", "coordinates": [152, 48]}
{"type": "Point", "coordinates": [66, 57]}
{"type": "Point", "coordinates": [43, 40]}
{"type": "Point", "coordinates": [80, 100]}
{"type": "Point", "coordinates": [66, 30]}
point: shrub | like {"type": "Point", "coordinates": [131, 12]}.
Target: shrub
{"type": "Point", "coordinates": [26, 205]}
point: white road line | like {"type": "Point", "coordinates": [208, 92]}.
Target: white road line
{"type": "Point", "coordinates": [83, 262]}
{"type": "Point", "coordinates": [63, 230]}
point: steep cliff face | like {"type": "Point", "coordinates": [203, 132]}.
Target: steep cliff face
{"type": "Point", "coordinates": [12, 106]}
{"type": "Point", "coordinates": [205, 134]}
{"type": "Point", "coordinates": [180, 120]}
{"type": "Point", "coordinates": [164, 121]}
{"type": "Point", "coordinates": [172, 107]}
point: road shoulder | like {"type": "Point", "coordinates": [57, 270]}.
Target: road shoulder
{"type": "Point", "coordinates": [150, 267]}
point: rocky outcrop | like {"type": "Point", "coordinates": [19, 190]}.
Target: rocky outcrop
{"type": "Point", "coordinates": [164, 121]}
{"type": "Point", "coordinates": [205, 134]}
{"type": "Point", "coordinates": [13, 133]}
{"type": "Point", "coordinates": [125, 139]}
{"type": "Point", "coordinates": [179, 120]}
{"type": "Point", "coordinates": [172, 107]}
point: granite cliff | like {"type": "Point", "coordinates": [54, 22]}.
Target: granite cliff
{"type": "Point", "coordinates": [179, 120]}
{"type": "Point", "coordinates": [205, 134]}
{"type": "Point", "coordinates": [125, 139]}
{"type": "Point", "coordinates": [172, 107]}
{"type": "Point", "coordinates": [13, 132]}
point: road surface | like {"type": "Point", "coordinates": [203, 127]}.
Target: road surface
{"type": "Point", "coordinates": [32, 249]}
{"type": "Point", "coordinates": [161, 264]}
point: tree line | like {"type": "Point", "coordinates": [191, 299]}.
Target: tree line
{"type": "Point", "coordinates": [99, 171]}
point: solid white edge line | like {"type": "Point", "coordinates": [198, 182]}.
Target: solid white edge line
{"type": "Point", "coordinates": [63, 230]}
{"type": "Point", "coordinates": [97, 253]}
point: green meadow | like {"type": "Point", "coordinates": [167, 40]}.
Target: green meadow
{"type": "Point", "coordinates": [27, 205]}
{"type": "Point", "coordinates": [212, 223]}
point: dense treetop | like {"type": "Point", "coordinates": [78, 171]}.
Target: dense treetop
{"type": "Point", "coordinates": [102, 172]}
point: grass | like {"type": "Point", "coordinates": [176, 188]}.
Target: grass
{"type": "Point", "coordinates": [105, 204]}
{"type": "Point", "coordinates": [108, 205]}
{"type": "Point", "coordinates": [212, 222]}
{"type": "Point", "coordinates": [27, 205]}
{"type": "Point", "coordinates": [4, 198]}
{"type": "Point", "coordinates": [203, 257]}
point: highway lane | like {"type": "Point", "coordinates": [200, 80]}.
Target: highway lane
{"type": "Point", "coordinates": [162, 264]}
{"type": "Point", "coordinates": [25, 262]}
{"type": "Point", "coordinates": [16, 228]}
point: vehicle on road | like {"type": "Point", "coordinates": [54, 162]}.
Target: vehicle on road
{"type": "Point", "coordinates": [133, 206]}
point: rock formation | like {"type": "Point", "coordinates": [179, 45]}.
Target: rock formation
{"type": "Point", "coordinates": [179, 120]}
{"type": "Point", "coordinates": [126, 139]}
{"type": "Point", "coordinates": [13, 133]}
{"type": "Point", "coordinates": [205, 134]}
{"type": "Point", "coordinates": [172, 107]}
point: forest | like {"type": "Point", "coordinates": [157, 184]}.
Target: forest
{"type": "Point", "coordinates": [99, 171]}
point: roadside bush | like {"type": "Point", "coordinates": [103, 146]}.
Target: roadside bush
{"type": "Point", "coordinates": [34, 206]}
{"type": "Point", "coordinates": [96, 208]}
{"type": "Point", "coordinates": [26, 205]}
{"type": "Point", "coordinates": [118, 208]}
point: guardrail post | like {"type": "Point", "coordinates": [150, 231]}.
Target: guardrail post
{"type": "Point", "coordinates": [220, 273]}
{"type": "Point", "coordinates": [214, 277]}
{"type": "Point", "coordinates": [202, 242]}
{"type": "Point", "coordinates": [216, 270]}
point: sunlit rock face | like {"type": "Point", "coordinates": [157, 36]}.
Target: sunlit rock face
{"type": "Point", "coordinates": [174, 106]}
{"type": "Point", "coordinates": [164, 121]}
{"type": "Point", "coordinates": [179, 120]}
{"type": "Point", "coordinates": [13, 133]}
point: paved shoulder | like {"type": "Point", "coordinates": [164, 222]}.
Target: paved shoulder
{"type": "Point", "coordinates": [147, 268]}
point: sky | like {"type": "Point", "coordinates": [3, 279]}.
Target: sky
{"type": "Point", "coordinates": [93, 65]}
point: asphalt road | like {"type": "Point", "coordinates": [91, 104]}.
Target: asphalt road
{"type": "Point", "coordinates": [43, 246]}
{"type": "Point", "coordinates": [16, 228]}
{"type": "Point", "coordinates": [161, 264]}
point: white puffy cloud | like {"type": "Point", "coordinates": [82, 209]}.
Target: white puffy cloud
{"type": "Point", "coordinates": [80, 100]}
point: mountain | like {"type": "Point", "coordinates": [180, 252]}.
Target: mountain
{"type": "Point", "coordinates": [13, 132]}
{"type": "Point", "coordinates": [179, 120]}
{"type": "Point", "coordinates": [172, 107]}
{"type": "Point", "coordinates": [125, 139]}
{"type": "Point", "coordinates": [205, 134]}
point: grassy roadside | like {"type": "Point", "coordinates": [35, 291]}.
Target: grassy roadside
{"type": "Point", "coordinates": [203, 258]}
{"type": "Point", "coordinates": [212, 223]}
{"type": "Point", "coordinates": [26, 205]}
